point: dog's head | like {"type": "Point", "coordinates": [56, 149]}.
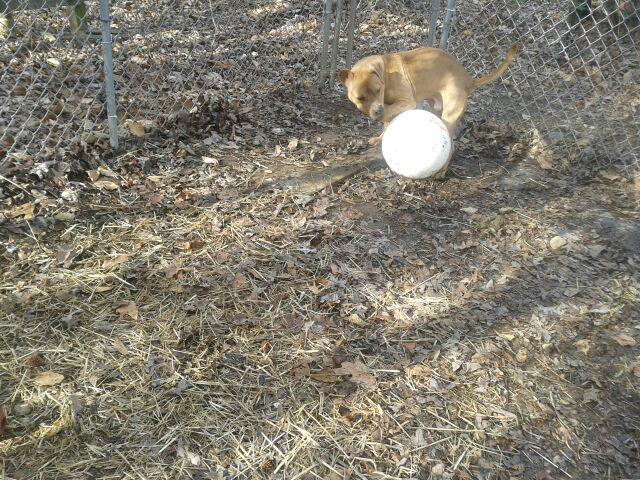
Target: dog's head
{"type": "Point", "coordinates": [365, 86]}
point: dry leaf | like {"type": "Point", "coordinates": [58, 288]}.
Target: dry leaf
{"type": "Point", "coordinates": [358, 373]}
{"type": "Point", "coordinates": [418, 371]}
{"type": "Point", "coordinates": [103, 288]}
{"type": "Point", "coordinates": [210, 160]}
{"type": "Point", "coordinates": [172, 271]}
{"type": "Point", "coordinates": [137, 129]}
{"type": "Point", "coordinates": [26, 210]}
{"type": "Point", "coordinates": [127, 307]}
{"type": "Point", "coordinates": [293, 144]}
{"type": "Point", "coordinates": [557, 243]}
{"type": "Point", "coordinates": [64, 216]}
{"type": "Point", "coordinates": [356, 320]}
{"type": "Point", "coordinates": [222, 257]}
{"type": "Point", "coordinates": [3, 421]}
{"type": "Point", "coordinates": [610, 175]}
{"type": "Point", "coordinates": [106, 185]}
{"type": "Point", "coordinates": [239, 281]}
{"type": "Point", "coordinates": [624, 340]}
{"type": "Point", "coordinates": [192, 245]}
{"type": "Point", "coordinates": [301, 371]}
{"type": "Point", "coordinates": [93, 175]}
{"type": "Point", "coordinates": [35, 360]}
{"type": "Point", "coordinates": [506, 335]}
{"type": "Point", "coordinates": [545, 160]}
{"type": "Point", "coordinates": [120, 347]}
{"type": "Point", "coordinates": [106, 171]}
{"type": "Point", "coordinates": [113, 261]}
{"type": "Point", "coordinates": [583, 345]}
{"type": "Point", "coordinates": [65, 255]}
{"type": "Point", "coordinates": [48, 379]}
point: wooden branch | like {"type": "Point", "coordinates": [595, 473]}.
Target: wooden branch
{"type": "Point", "coordinates": [314, 181]}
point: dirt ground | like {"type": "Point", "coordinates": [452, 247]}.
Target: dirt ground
{"type": "Point", "coordinates": [190, 318]}
{"type": "Point", "coordinates": [250, 293]}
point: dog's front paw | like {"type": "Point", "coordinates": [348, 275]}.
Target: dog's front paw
{"type": "Point", "coordinates": [375, 140]}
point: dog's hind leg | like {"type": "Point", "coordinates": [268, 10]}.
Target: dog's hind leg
{"type": "Point", "coordinates": [437, 104]}
{"type": "Point", "coordinates": [454, 104]}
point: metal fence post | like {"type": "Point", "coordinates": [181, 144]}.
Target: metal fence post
{"type": "Point", "coordinates": [351, 28]}
{"type": "Point", "coordinates": [446, 28]}
{"type": "Point", "coordinates": [336, 40]}
{"type": "Point", "coordinates": [107, 49]}
{"type": "Point", "coordinates": [433, 22]}
{"type": "Point", "coordinates": [326, 27]}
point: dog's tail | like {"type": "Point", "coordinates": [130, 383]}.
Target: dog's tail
{"type": "Point", "coordinates": [492, 77]}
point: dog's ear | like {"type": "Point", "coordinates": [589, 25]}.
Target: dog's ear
{"type": "Point", "coordinates": [343, 76]}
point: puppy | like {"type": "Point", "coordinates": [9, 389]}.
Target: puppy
{"type": "Point", "coordinates": [383, 86]}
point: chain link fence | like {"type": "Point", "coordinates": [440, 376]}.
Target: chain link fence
{"type": "Point", "coordinates": [575, 78]}
{"type": "Point", "coordinates": [51, 79]}
{"type": "Point", "coordinates": [575, 81]}
{"type": "Point", "coordinates": [171, 59]}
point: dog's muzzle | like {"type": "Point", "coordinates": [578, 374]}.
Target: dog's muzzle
{"type": "Point", "coordinates": [377, 111]}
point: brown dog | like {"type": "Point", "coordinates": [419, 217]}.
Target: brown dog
{"type": "Point", "coordinates": [383, 86]}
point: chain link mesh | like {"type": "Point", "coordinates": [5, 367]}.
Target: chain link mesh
{"type": "Point", "coordinates": [575, 78]}
{"type": "Point", "coordinates": [51, 80]}
{"type": "Point", "coordinates": [170, 58]}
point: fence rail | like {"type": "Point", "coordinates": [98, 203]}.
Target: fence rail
{"type": "Point", "coordinates": [575, 79]}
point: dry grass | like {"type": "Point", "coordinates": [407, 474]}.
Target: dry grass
{"type": "Point", "coordinates": [250, 312]}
